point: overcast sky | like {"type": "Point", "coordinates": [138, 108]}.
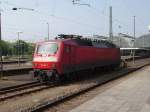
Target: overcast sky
{"type": "Point", "coordinates": [64, 17]}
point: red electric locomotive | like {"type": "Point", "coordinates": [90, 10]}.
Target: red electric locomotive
{"type": "Point", "coordinates": [68, 54]}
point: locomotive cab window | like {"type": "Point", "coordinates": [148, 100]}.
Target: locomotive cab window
{"type": "Point", "coordinates": [49, 48]}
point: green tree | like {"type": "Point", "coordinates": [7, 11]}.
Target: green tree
{"type": "Point", "coordinates": [5, 48]}
{"type": "Point", "coordinates": [21, 47]}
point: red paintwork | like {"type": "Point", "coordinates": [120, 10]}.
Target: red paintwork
{"type": "Point", "coordinates": [77, 56]}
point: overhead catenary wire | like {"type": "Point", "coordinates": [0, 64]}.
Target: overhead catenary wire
{"type": "Point", "coordinates": [66, 19]}
{"type": "Point", "coordinates": [46, 15]}
{"type": "Point", "coordinates": [132, 12]}
{"type": "Point", "coordinates": [99, 12]}
{"type": "Point", "coordinates": [114, 20]}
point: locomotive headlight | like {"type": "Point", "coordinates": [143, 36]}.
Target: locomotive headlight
{"type": "Point", "coordinates": [35, 64]}
{"type": "Point", "coordinates": [45, 65]}
{"type": "Point", "coordinates": [53, 65]}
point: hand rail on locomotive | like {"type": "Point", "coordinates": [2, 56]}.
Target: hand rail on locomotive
{"type": "Point", "coordinates": [123, 63]}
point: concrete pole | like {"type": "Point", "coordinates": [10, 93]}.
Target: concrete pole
{"type": "Point", "coordinates": [18, 33]}
{"type": "Point", "coordinates": [134, 26]}
{"type": "Point", "coordinates": [134, 38]}
{"type": "Point", "coordinates": [110, 25]}
{"type": "Point", "coordinates": [18, 49]}
{"type": "Point", "coordinates": [1, 59]}
{"type": "Point", "coordinates": [0, 28]}
{"type": "Point", "coordinates": [47, 31]}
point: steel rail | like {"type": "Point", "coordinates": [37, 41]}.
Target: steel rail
{"type": "Point", "coordinates": [21, 93]}
{"type": "Point", "coordinates": [18, 88]}
{"type": "Point", "coordinates": [60, 99]}
{"type": "Point", "coordinates": [23, 89]}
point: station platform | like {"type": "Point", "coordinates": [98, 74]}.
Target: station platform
{"type": "Point", "coordinates": [16, 66]}
{"type": "Point", "coordinates": [14, 80]}
{"type": "Point", "coordinates": [129, 58]}
{"type": "Point", "coordinates": [130, 95]}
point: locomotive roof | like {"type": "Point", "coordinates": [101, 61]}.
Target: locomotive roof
{"type": "Point", "coordinates": [82, 41]}
{"type": "Point", "coordinates": [79, 40]}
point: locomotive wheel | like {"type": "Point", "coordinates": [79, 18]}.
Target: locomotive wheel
{"type": "Point", "coordinates": [41, 78]}
{"type": "Point", "coordinates": [55, 77]}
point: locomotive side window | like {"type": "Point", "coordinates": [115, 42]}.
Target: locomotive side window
{"type": "Point", "coordinates": [48, 48]}
{"type": "Point", "coordinates": [67, 49]}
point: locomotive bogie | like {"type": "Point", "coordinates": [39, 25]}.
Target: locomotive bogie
{"type": "Point", "coordinates": [46, 75]}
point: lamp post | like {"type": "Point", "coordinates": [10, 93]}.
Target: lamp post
{"type": "Point", "coordinates": [47, 31]}
{"type": "Point", "coordinates": [29, 9]}
{"type": "Point", "coordinates": [15, 8]}
{"type": "Point", "coordinates": [1, 59]}
{"type": "Point", "coordinates": [133, 39]}
{"type": "Point", "coordinates": [18, 33]}
{"type": "Point", "coordinates": [119, 35]}
{"type": "Point", "coordinates": [77, 2]}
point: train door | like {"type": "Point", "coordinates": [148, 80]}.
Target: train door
{"type": "Point", "coordinates": [67, 58]}
{"type": "Point", "coordinates": [72, 57]}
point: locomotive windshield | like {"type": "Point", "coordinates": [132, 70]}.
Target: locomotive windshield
{"type": "Point", "coordinates": [49, 48]}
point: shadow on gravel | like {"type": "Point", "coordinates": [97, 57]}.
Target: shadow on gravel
{"type": "Point", "coordinates": [97, 75]}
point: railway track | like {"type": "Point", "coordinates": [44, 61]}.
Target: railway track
{"type": "Point", "coordinates": [17, 86]}
{"type": "Point", "coordinates": [14, 62]}
{"type": "Point", "coordinates": [62, 98]}
{"type": "Point", "coordinates": [19, 90]}
{"type": "Point", "coordinates": [14, 72]}
{"type": "Point", "coordinates": [47, 102]}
